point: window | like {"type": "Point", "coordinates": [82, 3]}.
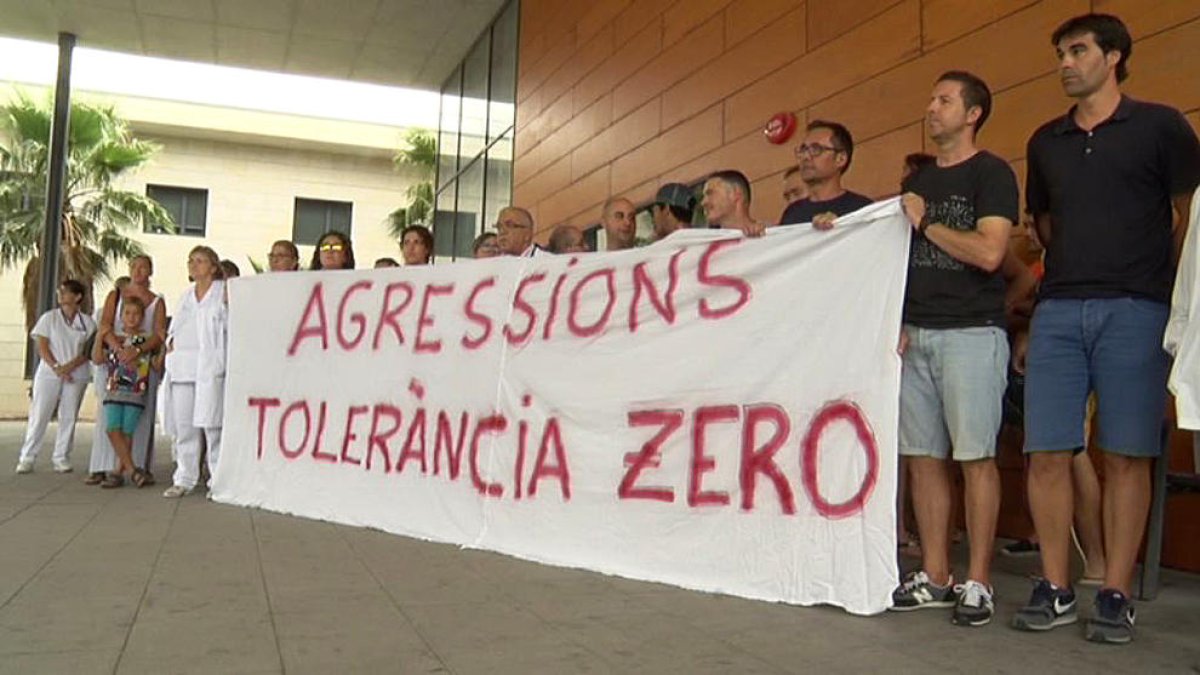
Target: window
{"type": "Point", "coordinates": [475, 137]}
{"type": "Point", "coordinates": [315, 217]}
{"type": "Point", "coordinates": [188, 208]}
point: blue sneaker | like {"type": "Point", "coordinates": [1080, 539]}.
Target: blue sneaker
{"type": "Point", "coordinates": [1049, 607]}
{"type": "Point", "coordinates": [1113, 622]}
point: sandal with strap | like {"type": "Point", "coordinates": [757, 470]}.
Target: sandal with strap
{"type": "Point", "coordinates": [113, 480]}
{"type": "Point", "coordinates": [95, 478]}
{"type": "Point", "coordinates": [139, 478]}
{"type": "Point", "coordinates": [147, 478]}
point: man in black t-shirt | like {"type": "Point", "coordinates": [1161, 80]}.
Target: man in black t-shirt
{"type": "Point", "coordinates": [955, 351]}
{"type": "Point", "coordinates": [1102, 183]}
{"type": "Point", "coordinates": [824, 156]}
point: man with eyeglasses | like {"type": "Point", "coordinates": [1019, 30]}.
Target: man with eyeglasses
{"type": "Point", "coordinates": [514, 232]}
{"type": "Point", "coordinates": [824, 156]}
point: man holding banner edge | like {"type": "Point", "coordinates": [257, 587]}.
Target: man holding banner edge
{"type": "Point", "coordinates": [955, 351]}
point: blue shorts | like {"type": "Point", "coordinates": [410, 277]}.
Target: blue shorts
{"type": "Point", "coordinates": [1111, 346]}
{"type": "Point", "coordinates": [122, 417]}
{"type": "Point", "coordinates": [951, 392]}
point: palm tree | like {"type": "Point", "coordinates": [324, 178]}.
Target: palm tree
{"type": "Point", "coordinates": [419, 153]}
{"type": "Point", "coordinates": [96, 216]}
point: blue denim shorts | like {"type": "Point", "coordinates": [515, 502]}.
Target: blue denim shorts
{"type": "Point", "coordinates": [951, 392]}
{"type": "Point", "coordinates": [1111, 346]}
{"type": "Point", "coordinates": [122, 417]}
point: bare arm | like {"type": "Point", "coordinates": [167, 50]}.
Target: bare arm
{"type": "Point", "coordinates": [984, 247]}
{"type": "Point", "coordinates": [107, 321]}
{"type": "Point", "coordinates": [1020, 286]}
{"type": "Point", "coordinates": [43, 347]}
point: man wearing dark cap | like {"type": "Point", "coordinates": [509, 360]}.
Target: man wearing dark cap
{"type": "Point", "coordinates": [672, 210]}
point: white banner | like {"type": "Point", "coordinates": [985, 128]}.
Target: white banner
{"type": "Point", "coordinates": [712, 412]}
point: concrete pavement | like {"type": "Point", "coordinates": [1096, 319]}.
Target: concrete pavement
{"type": "Point", "coordinates": [124, 581]}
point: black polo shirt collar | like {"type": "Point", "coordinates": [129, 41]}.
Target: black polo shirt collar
{"type": "Point", "coordinates": [1066, 124]}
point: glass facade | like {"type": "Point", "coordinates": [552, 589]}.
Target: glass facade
{"type": "Point", "coordinates": [475, 138]}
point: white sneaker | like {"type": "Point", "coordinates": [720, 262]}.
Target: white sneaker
{"type": "Point", "coordinates": [176, 491]}
{"type": "Point", "coordinates": [25, 466]}
{"type": "Point", "coordinates": [62, 466]}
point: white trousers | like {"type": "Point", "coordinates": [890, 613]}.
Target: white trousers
{"type": "Point", "coordinates": [103, 458]}
{"type": "Point", "coordinates": [190, 439]}
{"type": "Point", "coordinates": [50, 392]}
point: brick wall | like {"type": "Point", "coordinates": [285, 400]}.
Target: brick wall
{"type": "Point", "coordinates": [618, 96]}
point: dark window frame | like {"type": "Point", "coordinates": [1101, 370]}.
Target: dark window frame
{"type": "Point", "coordinates": [306, 238]}
{"type": "Point", "coordinates": [187, 194]}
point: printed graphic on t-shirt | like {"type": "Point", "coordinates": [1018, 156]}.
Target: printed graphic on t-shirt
{"type": "Point", "coordinates": [956, 212]}
{"type": "Point", "coordinates": [131, 378]}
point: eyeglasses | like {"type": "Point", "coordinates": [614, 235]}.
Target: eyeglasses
{"type": "Point", "coordinates": [814, 149]}
{"type": "Point", "coordinates": [332, 247]}
{"type": "Point", "coordinates": [510, 225]}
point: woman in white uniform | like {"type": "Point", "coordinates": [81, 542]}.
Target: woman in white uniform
{"type": "Point", "coordinates": [103, 460]}
{"type": "Point", "coordinates": [61, 335]}
{"type": "Point", "coordinates": [195, 378]}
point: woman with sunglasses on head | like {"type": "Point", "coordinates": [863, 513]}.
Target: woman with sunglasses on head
{"type": "Point", "coordinates": [195, 380]}
{"type": "Point", "coordinates": [333, 252]}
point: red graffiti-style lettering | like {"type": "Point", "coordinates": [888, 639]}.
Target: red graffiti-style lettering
{"type": "Point", "coordinates": [287, 452]}
{"type": "Point", "coordinates": [702, 463]}
{"type": "Point", "coordinates": [316, 453]}
{"type": "Point", "coordinates": [262, 404]}
{"type": "Point", "coordinates": [350, 436]}
{"type": "Point", "coordinates": [598, 326]}
{"type": "Point", "coordinates": [521, 305]}
{"type": "Point", "coordinates": [476, 317]}
{"type": "Point", "coordinates": [379, 439]}
{"type": "Point", "coordinates": [358, 319]}
{"type": "Point", "coordinates": [426, 321]}
{"type": "Point", "coordinates": [388, 314]}
{"type": "Point", "coordinates": [445, 440]}
{"type": "Point", "coordinates": [414, 443]}
{"type": "Point", "coordinates": [314, 310]}
{"type": "Point", "coordinates": [551, 439]}
{"type": "Point", "coordinates": [650, 456]}
{"type": "Point", "coordinates": [643, 284]}
{"type": "Point", "coordinates": [707, 278]}
{"type": "Point", "coordinates": [810, 455]}
{"type": "Point", "coordinates": [492, 424]}
{"type": "Point", "coordinates": [758, 459]}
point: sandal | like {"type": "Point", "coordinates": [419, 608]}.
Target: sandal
{"type": "Point", "coordinates": [147, 478]}
{"type": "Point", "coordinates": [95, 478]}
{"type": "Point", "coordinates": [113, 480]}
{"type": "Point", "coordinates": [138, 478]}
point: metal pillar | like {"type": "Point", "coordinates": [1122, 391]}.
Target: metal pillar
{"type": "Point", "coordinates": [56, 181]}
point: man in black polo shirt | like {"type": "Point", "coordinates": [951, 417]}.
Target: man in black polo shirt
{"type": "Point", "coordinates": [1102, 183]}
{"type": "Point", "coordinates": [824, 156]}
{"type": "Point", "coordinates": [955, 363]}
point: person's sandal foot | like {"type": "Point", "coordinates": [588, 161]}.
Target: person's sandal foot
{"type": "Point", "coordinates": [112, 480]}
{"type": "Point", "coordinates": [94, 478]}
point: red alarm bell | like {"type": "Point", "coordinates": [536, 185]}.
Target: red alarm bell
{"type": "Point", "coordinates": [780, 128]}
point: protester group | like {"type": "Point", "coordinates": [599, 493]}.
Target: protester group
{"type": "Point", "coordinates": [1108, 191]}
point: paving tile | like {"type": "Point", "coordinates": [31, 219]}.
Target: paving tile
{"type": "Point", "coordinates": [74, 662]}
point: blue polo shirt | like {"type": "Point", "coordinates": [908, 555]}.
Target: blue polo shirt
{"type": "Point", "coordinates": [1108, 193]}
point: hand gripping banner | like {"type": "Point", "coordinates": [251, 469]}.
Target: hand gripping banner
{"type": "Point", "coordinates": [713, 412]}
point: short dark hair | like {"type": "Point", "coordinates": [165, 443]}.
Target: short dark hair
{"type": "Point", "coordinates": [915, 160]}
{"type": "Point", "coordinates": [975, 93]}
{"type": "Point", "coordinates": [230, 269]}
{"type": "Point", "coordinates": [842, 140]}
{"type": "Point", "coordinates": [735, 178]}
{"type": "Point", "coordinates": [1109, 31]}
{"type": "Point", "coordinates": [560, 238]}
{"type": "Point", "coordinates": [484, 236]}
{"type": "Point", "coordinates": [74, 286]}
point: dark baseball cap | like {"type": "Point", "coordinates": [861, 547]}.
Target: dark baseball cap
{"type": "Point", "coordinates": [676, 194]}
